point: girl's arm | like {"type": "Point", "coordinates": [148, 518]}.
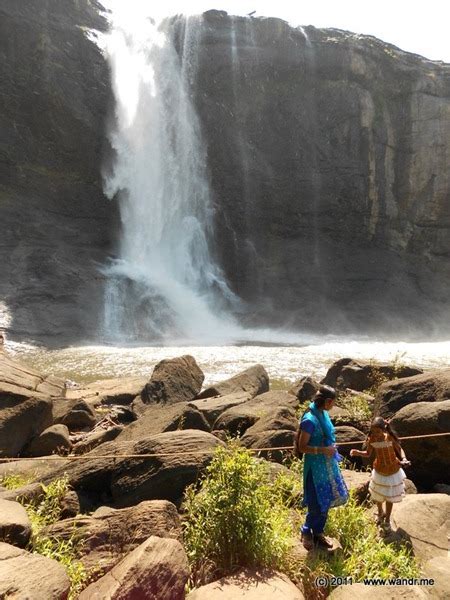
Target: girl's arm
{"type": "Point", "coordinates": [399, 451]}
{"type": "Point", "coordinates": [363, 453]}
{"type": "Point", "coordinates": [303, 446]}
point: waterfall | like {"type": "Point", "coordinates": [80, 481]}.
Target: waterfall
{"type": "Point", "coordinates": [164, 284]}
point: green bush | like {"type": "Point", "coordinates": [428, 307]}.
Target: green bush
{"type": "Point", "coordinates": [44, 513]}
{"type": "Point", "coordinates": [13, 481]}
{"type": "Point", "coordinates": [236, 519]}
{"type": "Point", "coordinates": [357, 406]}
{"type": "Point", "coordinates": [364, 554]}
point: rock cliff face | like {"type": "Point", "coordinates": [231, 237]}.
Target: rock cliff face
{"type": "Point", "coordinates": [328, 156]}
{"type": "Point", "coordinates": [55, 222]}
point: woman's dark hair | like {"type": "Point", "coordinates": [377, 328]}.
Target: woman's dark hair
{"type": "Point", "coordinates": [325, 393]}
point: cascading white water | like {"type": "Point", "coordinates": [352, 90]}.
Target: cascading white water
{"type": "Point", "coordinates": [165, 283]}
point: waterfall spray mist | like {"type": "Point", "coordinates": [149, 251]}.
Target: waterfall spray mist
{"type": "Point", "coordinates": [165, 284]}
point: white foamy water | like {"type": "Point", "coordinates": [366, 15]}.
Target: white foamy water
{"type": "Point", "coordinates": [88, 363]}
{"type": "Point", "coordinates": [165, 281]}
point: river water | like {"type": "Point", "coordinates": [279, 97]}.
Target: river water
{"type": "Point", "coordinates": [284, 363]}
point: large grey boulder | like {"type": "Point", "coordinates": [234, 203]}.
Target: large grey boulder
{"type": "Point", "coordinates": [274, 408]}
{"type": "Point", "coordinates": [305, 388]}
{"type": "Point", "coordinates": [432, 386]}
{"type": "Point", "coordinates": [430, 457]}
{"type": "Point", "coordinates": [362, 375]}
{"type": "Point", "coordinates": [109, 534]}
{"type": "Point", "coordinates": [213, 407]}
{"type": "Point", "coordinates": [174, 380]}
{"type": "Point", "coordinates": [159, 418]}
{"type": "Point", "coordinates": [109, 391]}
{"type": "Point", "coordinates": [252, 381]}
{"type": "Point", "coordinates": [248, 584]}
{"type": "Point", "coordinates": [15, 526]}
{"type": "Point", "coordinates": [346, 434]}
{"type": "Point", "coordinates": [23, 415]}
{"type": "Point", "coordinates": [95, 438]}
{"type": "Point", "coordinates": [77, 415]}
{"type": "Point", "coordinates": [360, 591]}
{"type": "Point", "coordinates": [177, 459]}
{"type": "Point", "coordinates": [424, 520]}
{"type": "Point", "coordinates": [27, 576]}
{"type": "Point", "coordinates": [156, 570]}
{"type": "Point", "coordinates": [17, 373]}
{"type": "Point", "coordinates": [53, 440]}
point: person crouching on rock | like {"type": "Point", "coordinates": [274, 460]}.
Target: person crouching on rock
{"type": "Point", "coordinates": [323, 484]}
{"type": "Point", "coordinates": [387, 478]}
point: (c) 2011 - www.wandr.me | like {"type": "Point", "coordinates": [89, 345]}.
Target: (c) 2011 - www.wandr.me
{"type": "Point", "coordinates": [324, 581]}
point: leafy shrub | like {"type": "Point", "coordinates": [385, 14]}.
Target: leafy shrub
{"type": "Point", "coordinates": [13, 481]}
{"type": "Point", "coordinates": [357, 406]}
{"type": "Point", "coordinates": [364, 554]}
{"type": "Point", "coordinates": [237, 518]}
{"type": "Point", "coordinates": [46, 512]}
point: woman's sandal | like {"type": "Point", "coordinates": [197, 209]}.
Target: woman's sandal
{"type": "Point", "coordinates": [323, 541]}
{"type": "Point", "coordinates": [307, 541]}
{"type": "Point", "coordinates": [381, 520]}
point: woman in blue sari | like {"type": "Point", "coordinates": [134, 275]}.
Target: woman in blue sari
{"type": "Point", "coordinates": [323, 484]}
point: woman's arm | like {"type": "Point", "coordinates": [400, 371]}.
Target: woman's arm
{"type": "Point", "coordinates": [303, 446]}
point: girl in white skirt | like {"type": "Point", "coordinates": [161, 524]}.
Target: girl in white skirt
{"type": "Point", "coordinates": [386, 481]}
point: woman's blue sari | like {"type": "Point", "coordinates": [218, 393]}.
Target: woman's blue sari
{"type": "Point", "coordinates": [328, 481]}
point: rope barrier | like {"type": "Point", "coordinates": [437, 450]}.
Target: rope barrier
{"type": "Point", "coordinates": [193, 452]}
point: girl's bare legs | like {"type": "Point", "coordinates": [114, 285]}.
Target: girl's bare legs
{"type": "Point", "coordinates": [389, 506]}
{"type": "Point", "coordinates": [381, 514]}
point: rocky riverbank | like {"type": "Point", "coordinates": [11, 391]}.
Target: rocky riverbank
{"type": "Point", "coordinates": [177, 427]}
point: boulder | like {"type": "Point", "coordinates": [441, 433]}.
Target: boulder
{"type": "Point", "coordinates": [178, 457]}
{"type": "Point", "coordinates": [23, 415]}
{"type": "Point", "coordinates": [276, 409]}
{"type": "Point", "coordinates": [438, 570]}
{"type": "Point", "coordinates": [362, 375]}
{"type": "Point", "coordinates": [109, 391]}
{"type": "Point", "coordinates": [174, 380]}
{"type": "Point", "coordinates": [253, 381]}
{"type": "Point", "coordinates": [109, 534]}
{"type": "Point", "coordinates": [212, 407]}
{"type": "Point", "coordinates": [424, 521]}
{"type": "Point", "coordinates": [280, 438]}
{"type": "Point", "coordinates": [19, 375]}
{"type": "Point", "coordinates": [31, 576]}
{"type": "Point", "coordinates": [304, 389]}
{"type": "Point", "coordinates": [346, 434]}
{"type": "Point", "coordinates": [360, 591]}
{"type": "Point", "coordinates": [69, 505]}
{"type": "Point", "coordinates": [249, 584]}
{"type": "Point", "coordinates": [53, 440]}
{"type": "Point", "coordinates": [95, 438]}
{"type": "Point", "coordinates": [77, 415]}
{"type": "Point", "coordinates": [156, 570]}
{"type": "Point", "coordinates": [430, 457]}
{"type": "Point", "coordinates": [432, 386]}
{"type": "Point", "coordinates": [358, 482]}
{"type": "Point", "coordinates": [161, 418]}
{"type": "Point", "coordinates": [31, 492]}
{"type": "Point", "coordinates": [15, 526]}
{"type": "Point", "coordinates": [29, 469]}
{"type": "Point", "coordinates": [442, 488]}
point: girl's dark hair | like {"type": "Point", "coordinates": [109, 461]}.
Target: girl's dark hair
{"type": "Point", "coordinates": [385, 426]}
{"type": "Point", "coordinates": [325, 393]}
